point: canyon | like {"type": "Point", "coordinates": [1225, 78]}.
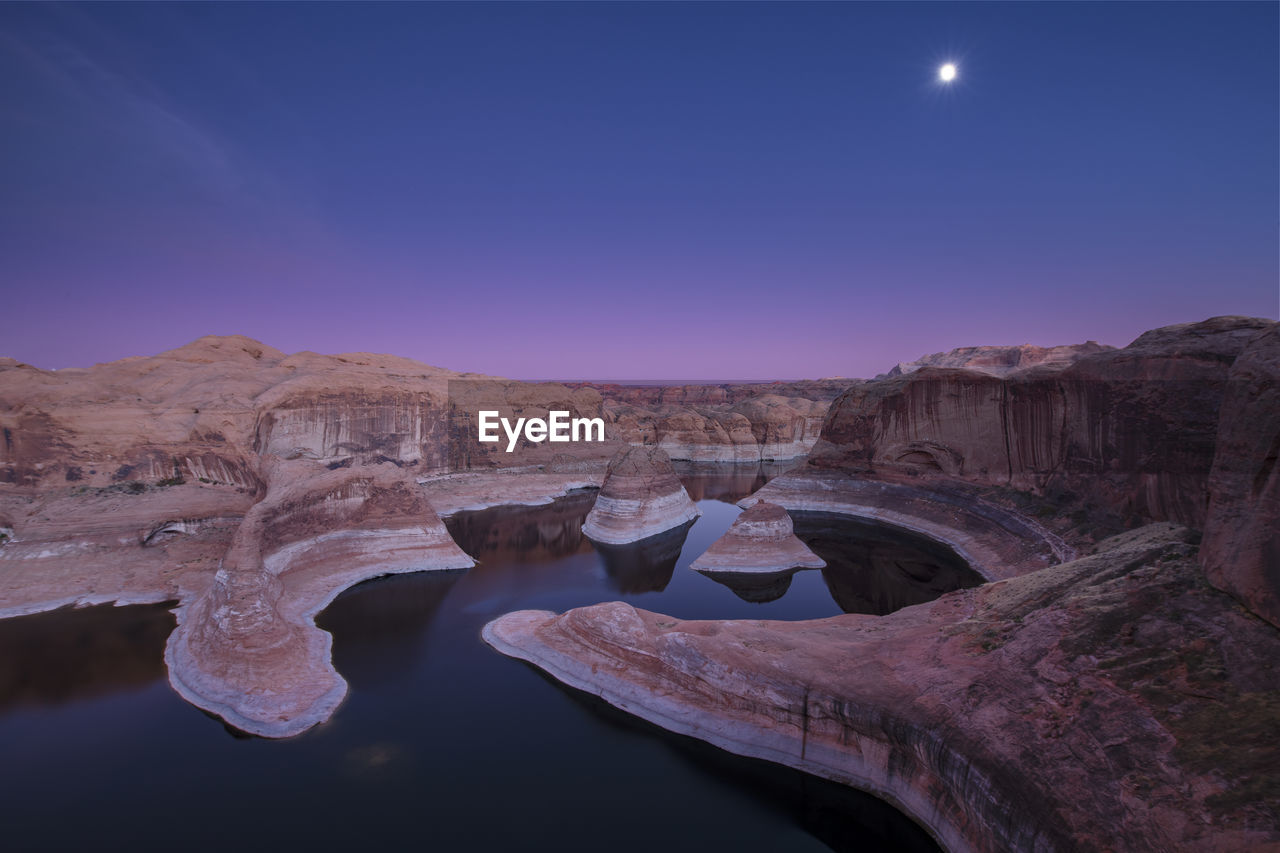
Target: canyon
{"type": "Point", "coordinates": [1111, 683]}
{"type": "Point", "coordinates": [1115, 683]}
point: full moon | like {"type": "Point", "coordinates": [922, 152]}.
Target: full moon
{"type": "Point", "coordinates": [947, 73]}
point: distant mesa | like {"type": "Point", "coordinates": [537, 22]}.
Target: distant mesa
{"type": "Point", "coordinates": [760, 541]}
{"type": "Point", "coordinates": [641, 496]}
{"type": "Point", "coordinates": [999, 361]}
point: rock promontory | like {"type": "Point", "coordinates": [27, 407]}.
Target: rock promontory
{"type": "Point", "coordinates": [761, 540]}
{"type": "Point", "coordinates": [641, 496]}
{"type": "Point", "coordinates": [248, 648]}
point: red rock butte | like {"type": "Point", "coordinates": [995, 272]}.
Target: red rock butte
{"type": "Point", "coordinates": [760, 540]}
{"type": "Point", "coordinates": [641, 497]}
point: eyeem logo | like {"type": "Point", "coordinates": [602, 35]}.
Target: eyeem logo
{"type": "Point", "coordinates": [557, 427]}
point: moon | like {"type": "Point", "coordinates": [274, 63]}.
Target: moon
{"type": "Point", "coordinates": [947, 72]}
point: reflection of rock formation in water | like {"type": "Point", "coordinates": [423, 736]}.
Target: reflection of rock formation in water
{"type": "Point", "coordinates": [872, 568]}
{"type": "Point", "coordinates": [759, 541]}
{"type": "Point", "coordinates": [63, 655]}
{"type": "Point", "coordinates": [378, 625]}
{"type": "Point", "coordinates": [644, 566]}
{"type": "Point", "coordinates": [641, 496]}
{"type": "Point", "coordinates": [727, 482]}
{"type": "Point", "coordinates": [756, 587]}
{"type": "Point", "coordinates": [525, 534]}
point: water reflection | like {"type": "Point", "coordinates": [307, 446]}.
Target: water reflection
{"type": "Point", "coordinates": [525, 534]}
{"type": "Point", "coordinates": [872, 568]}
{"type": "Point", "coordinates": [644, 566]}
{"type": "Point", "coordinates": [756, 587]}
{"type": "Point", "coordinates": [729, 482]}
{"type": "Point", "coordinates": [382, 623]}
{"type": "Point", "coordinates": [70, 654]}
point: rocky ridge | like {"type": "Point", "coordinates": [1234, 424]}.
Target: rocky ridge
{"type": "Point", "coordinates": [641, 497]}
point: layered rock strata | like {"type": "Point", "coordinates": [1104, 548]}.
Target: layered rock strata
{"type": "Point", "coordinates": [1128, 433]}
{"type": "Point", "coordinates": [1108, 702]}
{"type": "Point", "coordinates": [760, 540]}
{"type": "Point", "coordinates": [205, 412]}
{"type": "Point", "coordinates": [641, 496]}
{"type": "Point", "coordinates": [1241, 551]}
{"type": "Point", "coordinates": [1111, 703]}
{"type": "Point", "coordinates": [998, 361]}
{"type": "Point", "coordinates": [248, 649]}
{"type": "Point", "coordinates": [996, 541]}
{"type": "Point", "coordinates": [722, 423]}
{"type": "Point", "coordinates": [134, 481]}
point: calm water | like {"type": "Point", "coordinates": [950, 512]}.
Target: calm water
{"type": "Point", "coordinates": [442, 743]}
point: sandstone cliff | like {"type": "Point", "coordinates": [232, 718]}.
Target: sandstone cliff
{"type": "Point", "coordinates": [998, 361]}
{"type": "Point", "coordinates": [1128, 433]}
{"type": "Point", "coordinates": [761, 540]}
{"type": "Point", "coordinates": [1107, 702]}
{"type": "Point", "coordinates": [640, 497]}
{"type": "Point", "coordinates": [1111, 703]}
{"type": "Point", "coordinates": [1241, 550]}
{"type": "Point", "coordinates": [248, 648]}
{"type": "Point", "coordinates": [722, 423]}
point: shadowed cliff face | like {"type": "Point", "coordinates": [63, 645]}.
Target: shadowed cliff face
{"type": "Point", "coordinates": [1241, 552]}
{"type": "Point", "coordinates": [1130, 432]}
{"type": "Point", "coordinates": [1112, 703]}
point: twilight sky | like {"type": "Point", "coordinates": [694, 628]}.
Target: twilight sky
{"type": "Point", "coordinates": [632, 191]}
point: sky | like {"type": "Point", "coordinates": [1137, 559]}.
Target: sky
{"type": "Point", "coordinates": [633, 191]}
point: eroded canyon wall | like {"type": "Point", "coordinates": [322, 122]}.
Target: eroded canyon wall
{"type": "Point", "coordinates": [1130, 432]}
{"type": "Point", "coordinates": [1241, 548]}
{"type": "Point", "coordinates": [207, 411]}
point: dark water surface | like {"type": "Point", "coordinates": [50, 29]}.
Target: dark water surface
{"type": "Point", "coordinates": [443, 744]}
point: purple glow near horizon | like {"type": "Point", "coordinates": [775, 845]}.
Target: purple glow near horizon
{"type": "Point", "coordinates": [637, 191]}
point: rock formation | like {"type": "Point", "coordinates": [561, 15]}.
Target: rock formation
{"type": "Point", "coordinates": [995, 540]}
{"type": "Point", "coordinates": [998, 361]}
{"type": "Point", "coordinates": [1241, 550]}
{"type": "Point", "coordinates": [1124, 433]}
{"type": "Point", "coordinates": [641, 497]}
{"type": "Point", "coordinates": [248, 648]}
{"type": "Point", "coordinates": [132, 482]}
{"type": "Point", "coordinates": [1113, 701]}
{"type": "Point", "coordinates": [722, 423]}
{"type": "Point", "coordinates": [760, 540]}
